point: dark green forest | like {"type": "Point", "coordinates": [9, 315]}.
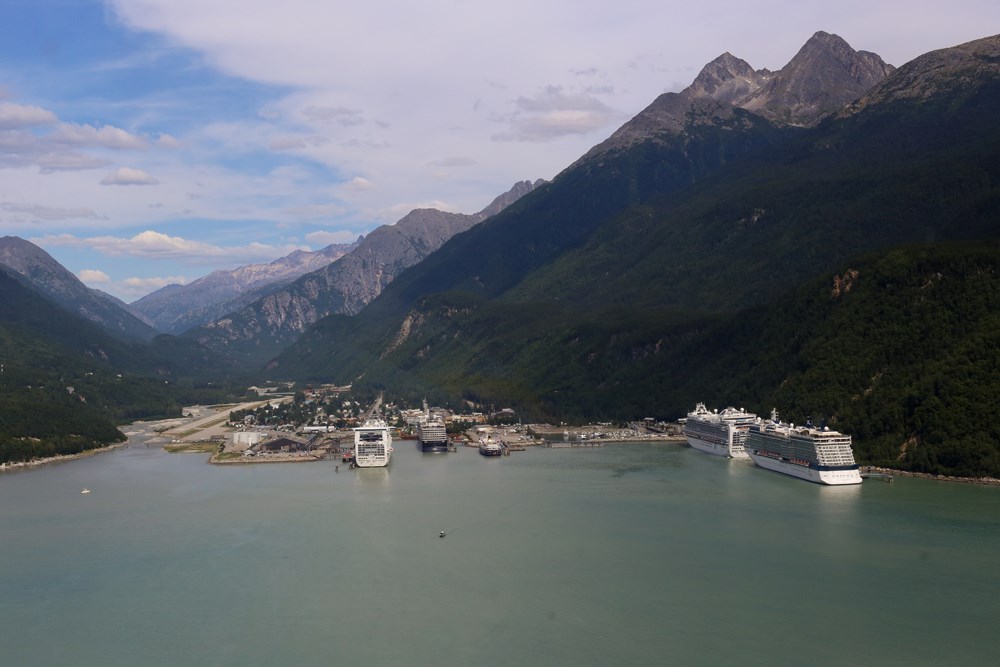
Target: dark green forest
{"type": "Point", "coordinates": [65, 384]}
{"type": "Point", "coordinates": [904, 354]}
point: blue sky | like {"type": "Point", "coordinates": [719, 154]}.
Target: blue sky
{"type": "Point", "coordinates": [144, 142]}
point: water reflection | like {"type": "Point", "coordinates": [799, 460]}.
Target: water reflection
{"type": "Point", "coordinates": [372, 477]}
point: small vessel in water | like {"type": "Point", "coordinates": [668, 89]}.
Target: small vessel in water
{"type": "Point", "coordinates": [490, 447]}
{"type": "Point", "coordinates": [719, 433]}
{"type": "Point", "coordinates": [85, 490]}
{"type": "Point", "coordinates": [813, 454]}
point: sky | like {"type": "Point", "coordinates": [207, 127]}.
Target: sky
{"type": "Point", "coordinates": [149, 142]}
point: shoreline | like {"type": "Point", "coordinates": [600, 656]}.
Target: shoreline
{"type": "Point", "coordinates": [35, 463]}
{"type": "Point", "coordinates": [981, 481]}
{"type": "Point", "coordinates": [152, 436]}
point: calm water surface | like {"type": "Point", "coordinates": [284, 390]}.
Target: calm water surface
{"type": "Point", "coordinates": [633, 554]}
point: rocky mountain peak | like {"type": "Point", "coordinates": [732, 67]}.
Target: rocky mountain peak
{"type": "Point", "coordinates": [727, 78]}
{"type": "Point", "coordinates": [501, 202]}
{"type": "Point", "coordinates": [823, 77]}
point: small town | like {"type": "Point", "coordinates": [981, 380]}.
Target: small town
{"type": "Point", "coordinates": [316, 424]}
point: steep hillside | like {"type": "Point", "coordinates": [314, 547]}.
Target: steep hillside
{"type": "Point", "coordinates": [893, 171]}
{"type": "Point", "coordinates": [58, 391]}
{"type": "Point", "coordinates": [53, 280]}
{"type": "Point", "coordinates": [255, 333]}
{"type": "Point", "coordinates": [900, 349]}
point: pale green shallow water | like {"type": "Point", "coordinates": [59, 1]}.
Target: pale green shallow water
{"type": "Point", "coordinates": [636, 554]}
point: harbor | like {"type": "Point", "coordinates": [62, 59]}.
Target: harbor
{"type": "Point", "coordinates": [226, 552]}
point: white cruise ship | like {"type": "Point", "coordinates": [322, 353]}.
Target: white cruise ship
{"type": "Point", "coordinates": [814, 454]}
{"type": "Point", "coordinates": [720, 433]}
{"type": "Point", "coordinates": [372, 444]}
{"type": "Point", "coordinates": [433, 436]}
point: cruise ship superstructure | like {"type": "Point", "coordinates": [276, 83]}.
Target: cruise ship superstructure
{"type": "Point", "coordinates": [815, 454]}
{"type": "Point", "coordinates": [433, 436]}
{"type": "Point", "coordinates": [372, 444]}
{"type": "Point", "coordinates": [719, 433]}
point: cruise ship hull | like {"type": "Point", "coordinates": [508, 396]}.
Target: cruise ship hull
{"type": "Point", "coordinates": [372, 461]}
{"type": "Point", "coordinates": [715, 448]}
{"type": "Point", "coordinates": [433, 445]}
{"type": "Point", "coordinates": [833, 477]}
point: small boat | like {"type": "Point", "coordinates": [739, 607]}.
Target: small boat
{"type": "Point", "coordinates": [490, 447]}
{"type": "Point", "coordinates": [85, 490]}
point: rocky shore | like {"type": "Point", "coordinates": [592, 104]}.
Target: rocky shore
{"type": "Point", "coordinates": [983, 481]}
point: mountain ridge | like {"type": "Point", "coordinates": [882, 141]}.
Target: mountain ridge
{"type": "Point", "coordinates": [176, 308]}
{"type": "Point", "coordinates": [260, 329]}
{"type": "Point", "coordinates": [820, 79]}
{"type": "Point", "coordinates": [57, 283]}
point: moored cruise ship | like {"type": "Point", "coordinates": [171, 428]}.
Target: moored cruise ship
{"type": "Point", "coordinates": [814, 454]}
{"type": "Point", "coordinates": [372, 444]}
{"type": "Point", "coordinates": [720, 433]}
{"type": "Point", "coordinates": [433, 436]}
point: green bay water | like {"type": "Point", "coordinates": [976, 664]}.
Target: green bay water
{"type": "Point", "coordinates": [630, 554]}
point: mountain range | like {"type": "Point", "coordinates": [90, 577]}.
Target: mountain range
{"type": "Point", "coordinates": [253, 334]}
{"type": "Point", "coordinates": [176, 308]}
{"type": "Point", "coordinates": [697, 220]}
{"type": "Point", "coordinates": [823, 239]}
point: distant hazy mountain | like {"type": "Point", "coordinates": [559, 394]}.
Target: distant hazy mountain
{"type": "Point", "coordinates": [177, 308]}
{"type": "Point", "coordinates": [52, 279]}
{"type": "Point", "coordinates": [263, 327]}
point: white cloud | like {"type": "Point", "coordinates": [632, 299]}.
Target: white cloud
{"type": "Point", "coordinates": [167, 141]}
{"type": "Point", "coordinates": [50, 163]}
{"type": "Point", "coordinates": [33, 136]}
{"type": "Point", "coordinates": [154, 245]}
{"type": "Point", "coordinates": [103, 137]}
{"type": "Point", "coordinates": [553, 113]}
{"type": "Point", "coordinates": [128, 176]}
{"type": "Point", "coordinates": [16, 116]}
{"type": "Point", "coordinates": [134, 288]}
{"type": "Point", "coordinates": [93, 276]}
{"type": "Point", "coordinates": [359, 184]}
{"type": "Point", "coordinates": [154, 283]}
{"type": "Point", "coordinates": [38, 212]}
